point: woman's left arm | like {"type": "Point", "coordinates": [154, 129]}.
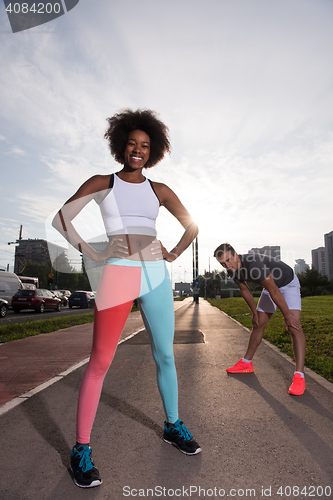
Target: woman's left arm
{"type": "Point", "coordinates": [172, 203]}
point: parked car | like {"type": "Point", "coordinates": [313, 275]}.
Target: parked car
{"type": "Point", "coordinates": [10, 283]}
{"type": "Point", "coordinates": [39, 299]}
{"type": "Point", "coordinates": [92, 299]}
{"type": "Point", "coordinates": [61, 296]}
{"type": "Point", "coordinates": [81, 299]}
{"type": "Point", "coordinates": [3, 308]}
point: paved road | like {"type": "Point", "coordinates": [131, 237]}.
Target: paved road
{"type": "Point", "coordinates": [257, 441]}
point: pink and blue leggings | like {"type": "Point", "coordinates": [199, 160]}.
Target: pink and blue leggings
{"type": "Point", "coordinates": [121, 282]}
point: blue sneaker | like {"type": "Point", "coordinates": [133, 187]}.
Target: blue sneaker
{"type": "Point", "coordinates": [178, 435]}
{"type": "Point", "coordinates": [85, 474]}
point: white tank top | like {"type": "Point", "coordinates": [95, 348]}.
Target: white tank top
{"type": "Point", "coordinates": [130, 208]}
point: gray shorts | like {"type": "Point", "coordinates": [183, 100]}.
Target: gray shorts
{"type": "Point", "coordinates": [291, 294]}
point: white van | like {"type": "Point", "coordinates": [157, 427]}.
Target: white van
{"type": "Point", "coordinates": [9, 284]}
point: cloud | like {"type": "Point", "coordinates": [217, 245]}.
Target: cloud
{"type": "Point", "coordinates": [36, 210]}
{"type": "Point", "coordinates": [16, 150]}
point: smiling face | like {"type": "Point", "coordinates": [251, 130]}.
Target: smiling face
{"type": "Point", "coordinates": [137, 149]}
{"type": "Point", "coordinates": [230, 261]}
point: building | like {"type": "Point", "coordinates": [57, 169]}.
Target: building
{"type": "Point", "coordinates": [301, 266]}
{"type": "Point", "coordinates": [35, 250]}
{"type": "Point", "coordinates": [319, 260]}
{"type": "Point", "coordinates": [272, 251]}
{"type": "Point", "coordinates": [322, 257]}
{"type": "Point", "coordinates": [329, 254]}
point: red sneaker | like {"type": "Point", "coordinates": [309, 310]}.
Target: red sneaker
{"type": "Point", "coordinates": [298, 386]}
{"type": "Point", "coordinates": [241, 367]}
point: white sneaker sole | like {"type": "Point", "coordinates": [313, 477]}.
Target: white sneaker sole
{"type": "Point", "coordinates": [198, 450]}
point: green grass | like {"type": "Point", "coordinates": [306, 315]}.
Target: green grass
{"type": "Point", "coordinates": [317, 322]}
{"type": "Point", "coordinates": [17, 331]}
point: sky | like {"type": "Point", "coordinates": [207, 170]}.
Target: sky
{"type": "Point", "coordinates": [245, 87]}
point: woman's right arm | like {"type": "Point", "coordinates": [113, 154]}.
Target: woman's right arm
{"type": "Point", "coordinates": [63, 219]}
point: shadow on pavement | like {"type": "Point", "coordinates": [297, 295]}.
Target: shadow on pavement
{"type": "Point", "coordinates": [316, 446]}
{"type": "Point", "coordinates": [41, 418]}
{"type": "Point", "coordinates": [130, 411]}
{"type": "Point", "coordinates": [311, 402]}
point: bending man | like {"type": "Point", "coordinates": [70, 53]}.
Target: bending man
{"type": "Point", "coordinates": [281, 289]}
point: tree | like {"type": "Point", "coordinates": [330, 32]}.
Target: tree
{"type": "Point", "coordinates": [66, 279]}
{"type": "Point", "coordinates": [210, 281]}
{"type": "Point", "coordinates": [38, 270]}
{"type": "Point", "coordinates": [312, 279]}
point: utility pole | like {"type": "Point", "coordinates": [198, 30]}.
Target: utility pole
{"type": "Point", "coordinates": [16, 243]}
{"type": "Point", "coordinates": [195, 259]}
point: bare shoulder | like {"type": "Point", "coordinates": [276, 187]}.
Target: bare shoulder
{"type": "Point", "coordinates": [92, 187]}
{"type": "Point", "coordinates": [97, 183]}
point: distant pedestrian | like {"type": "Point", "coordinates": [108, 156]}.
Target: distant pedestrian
{"type": "Point", "coordinates": [196, 294]}
{"type": "Point", "coordinates": [281, 289]}
{"type": "Point", "coordinates": [134, 269]}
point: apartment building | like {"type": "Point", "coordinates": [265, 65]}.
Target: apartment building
{"type": "Point", "coordinates": [35, 250]}
{"type": "Point", "coordinates": [328, 237]}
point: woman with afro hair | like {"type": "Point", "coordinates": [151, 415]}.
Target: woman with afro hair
{"type": "Point", "coordinates": [134, 260]}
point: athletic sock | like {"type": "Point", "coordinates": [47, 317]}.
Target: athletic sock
{"type": "Point", "coordinates": [300, 373]}
{"type": "Point", "coordinates": [247, 360]}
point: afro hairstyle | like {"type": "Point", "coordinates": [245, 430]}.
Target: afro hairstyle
{"type": "Point", "coordinates": [125, 121]}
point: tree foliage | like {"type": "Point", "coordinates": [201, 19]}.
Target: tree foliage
{"type": "Point", "coordinates": [210, 280]}
{"type": "Point", "coordinates": [69, 280]}
{"type": "Point", "coordinates": [312, 280]}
